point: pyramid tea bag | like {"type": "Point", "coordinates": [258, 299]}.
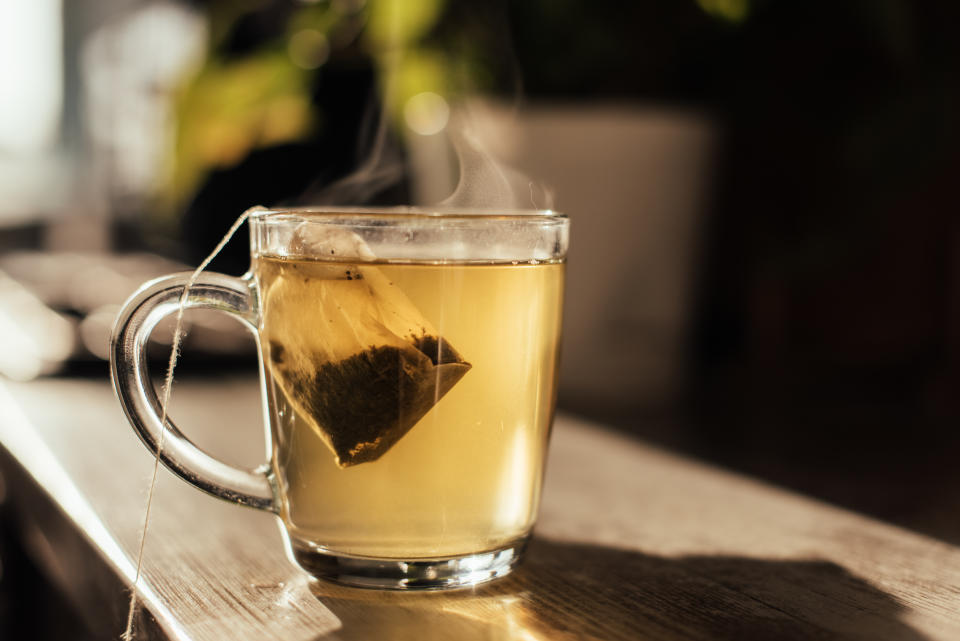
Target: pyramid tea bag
{"type": "Point", "coordinates": [350, 352]}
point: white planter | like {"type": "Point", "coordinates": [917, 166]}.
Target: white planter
{"type": "Point", "coordinates": [634, 183]}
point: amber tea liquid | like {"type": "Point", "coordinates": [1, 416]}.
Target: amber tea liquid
{"type": "Point", "coordinates": [466, 477]}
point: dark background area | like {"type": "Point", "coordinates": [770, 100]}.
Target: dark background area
{"type": "Point", "coordinates": [826, 334]}
{"type": "Point", "coordinates": [825, 343]}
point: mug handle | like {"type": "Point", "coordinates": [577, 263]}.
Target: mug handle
{"type": "Point", "coordinates": [131, 380]}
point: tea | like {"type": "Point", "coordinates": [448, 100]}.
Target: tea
{"type": "Point", "coordinates": [439, 449]}
{"type": "Point", "coordinates": [354, 356]}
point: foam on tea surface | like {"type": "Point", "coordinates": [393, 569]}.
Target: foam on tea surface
{"type": "Point", "coordinates": [350, 352]}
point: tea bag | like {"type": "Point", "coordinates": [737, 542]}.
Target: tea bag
{"type": "Point", "coordinates": [351, 353]}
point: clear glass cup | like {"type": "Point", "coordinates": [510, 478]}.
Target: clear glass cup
{"type": "Point", "coordinates": [408, 362]}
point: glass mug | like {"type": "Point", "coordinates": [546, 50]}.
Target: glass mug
{"type": "Point", "coordinates": [408, 366]}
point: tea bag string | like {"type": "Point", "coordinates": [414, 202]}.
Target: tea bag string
{"type": "Point", "coordinates": [167, 386]}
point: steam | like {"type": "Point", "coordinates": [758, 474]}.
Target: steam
{"type": "Point", "coordinates": [454, 153]}
{"type": "Point", "coordinates": [382, 169]}
{"type": "Point", "coordinates": [485, 181]}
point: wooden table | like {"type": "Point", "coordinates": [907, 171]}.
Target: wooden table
{"type": "Point", "coordinates": [632, 543]}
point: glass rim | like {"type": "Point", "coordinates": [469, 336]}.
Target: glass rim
{"type": "Point", "coordinates": [426, 214]}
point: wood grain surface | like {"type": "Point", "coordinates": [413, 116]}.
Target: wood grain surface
{"type": "Point", "coordinates": [632, 543]}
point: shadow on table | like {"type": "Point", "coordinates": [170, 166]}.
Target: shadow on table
{"type": "Point", "coordinates": [570, 591]}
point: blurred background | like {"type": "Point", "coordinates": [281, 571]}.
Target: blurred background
{"type": "Point", "coordinates": [765, 265]}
